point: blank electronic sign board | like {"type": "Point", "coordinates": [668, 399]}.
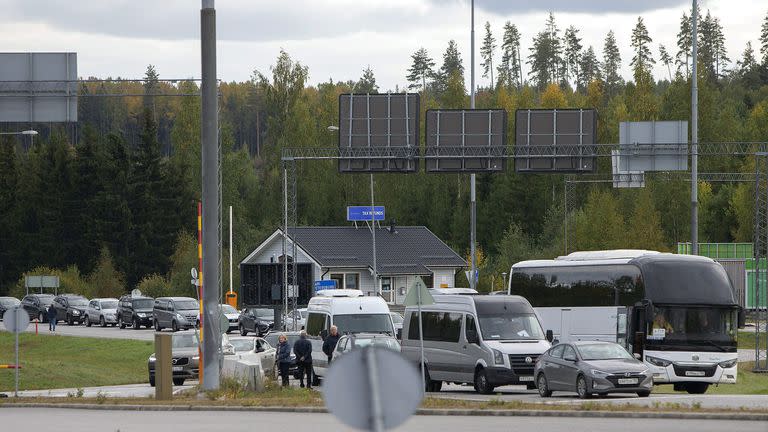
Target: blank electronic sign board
{"type": "Point", "coordinates": [466, 140]}
{"type": "Point", "coordinates": [379, 133]}
{"type": "Point", "coordinates": [555, 140]}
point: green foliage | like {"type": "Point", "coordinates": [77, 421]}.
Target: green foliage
{"type": "Point", "coordinates": [106, 280]}
{"type": "Point", "coordinates": [154, 286]}
{"type": "Point", "coordinates": [599, 225]}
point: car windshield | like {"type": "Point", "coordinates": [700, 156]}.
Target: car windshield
{"type": "Point", "coordinates": [9, 302]}
{"type": "Point", "coordinates": [109, 305]}
{"type": "Point", "coordinates": [143, 304]}
{"type": "Point", "coordinates": [227, 309]}
{"type": "Point", "coordinates": [78, 302]}
{"type": "Point", "coordinates": [510, 327]}
{"type": "Point", "coordinates": [603, 352]}
{"type": "Point", "coordinates": [304, 314]}
{"type": "Point", "coordinates": [382, 342]}
{"type": "Point", "coordinates": [186, 304]}
{"type": "Point", "coordinates": [242, 344]}
{"type": "Point", "coordinates": [265, 314]}
{"type": "Point", "coordinates": [397, 319]}
{"type": "Point", "coordinates": [188, 340]}
{"type": "Point", "coordinates": [46, 300]}
{"type": "Point", "coordinates": [364, 323]}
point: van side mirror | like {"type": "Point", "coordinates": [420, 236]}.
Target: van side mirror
{"type": "Point", "coordinates": [742, 318]}
{"type": "Point", "coordinates": [550, 336]}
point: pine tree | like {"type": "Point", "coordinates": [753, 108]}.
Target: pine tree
{"type": "Point", "coordinates": [151, 87]}
{"type": "Point", "coordinates": [611, 65]}
{"type": "Point", "coordinates": [421, 69]}
{"type": "Point", "coordinates": [9, 224]}
{"type": "Point", "coordinates": [641, 41]}
{"type": "Point", "coordinates": [451, 64]}
{"type": "Point", "coordinates": [509, 71]}
{"type": "Point", "coordinates": [720, 51]}
{"type": "Point", "coordinates": [486, 52]}
{"type": "Point", "coordinates": [367, 83]}
{"type": "Point", "coordinates": [666, 59]}
{"type": "Point", "coordinates": [764, 41]}
{"type": "Point", "coordinates": [589, 68]}
{"type": "Point", "coordinates": [706, 45]}
{"type": "Point", "coordinates": [684, 44]}
{"type": "Point", "coordinates": [545, 58]}
{"type": "Point", "coordinates": [572, 57]}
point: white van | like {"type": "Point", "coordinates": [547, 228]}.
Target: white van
{"type": "Point", "coordinates": [351, 312]}
{"type": "Point", "coordinates": [487, 341]}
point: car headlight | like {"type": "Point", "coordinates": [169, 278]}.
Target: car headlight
{"type": "Point", "coordinates": [657, 361]}
{"type": "Point", "coordinates": [598, 373]}
{"type": "Point", "coordinates": [75, 312]}
{"type": "Point", "coordinates": [728, 363]}
{"type": "Point", "coordinates": [141, 315]}
{"type": "Point", "coordinates": [228, 350]}
{"type": "Point", "coordinates": [178, 316]}
{"type": "Point", "coordinates": [498, 357]}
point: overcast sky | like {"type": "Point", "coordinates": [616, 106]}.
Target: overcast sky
{"type": "Point", "coordinates": [334, 38]}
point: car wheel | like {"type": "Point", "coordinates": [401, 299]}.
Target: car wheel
{"type": "Point", "coordinates": [696, 388]}
{"type": "Point", "coordinates": [136, 324]}
{"type": "Point", "coordinates": [157, 326]}
{"type": "Point", "coordinates": [174, 327]}
{"type": "Point", "coordinates": [644, 393]}
{"type": "Point", "coordinates": [178, 381]}
{"type": "Point", "coordinates": [87, 321]}
{"type": "Point", "coordinates": [581, 387]}
{"type": "Point", "coordinates": [151, 380]}
{"type": "Point", "coordinates": [120, 322]}
{"type": "Point", "coordinates": [243, 331]}
{"type": "Point", "coordinates": [482, 385]}
{"type": "Point", "coordinates": [543, 386]}
{"type": "Point", "coordinates": [102, 322]}
{"type": "Point", "coordinates": [70, 321]}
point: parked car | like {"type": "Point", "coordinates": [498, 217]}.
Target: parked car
{"type": "Point", "coordinates": [185, 358]}
{"type": "Point", "coordinates": [135, 311]}
{"type": "Point", "coordinates": [232, 316]}
{"type": "Point", "coordinates": [348, 343]}
{"type": "Point", "coordinates": [300, 315]}
{"type": "Point", "coordinates": [292, 337]}
{"type": "Point", "coordinates": [70, 308]}
{"type": "Point", "coordinates": [591, 367]}
{"type": "Point", "coordinates": [253, 348]}
{"type": "Point", "coordinates": [7, 303]}
{"type": "Point", "coordinates": [102, 311]}
{"type": "Point", "coordinates": [36, 306]}
{"type": "Point", "coordinates": [176, 313]}
{"type": "Point", "coordinates": [256, 320]}
{"type": "Point", "coordinates": [397, 321]}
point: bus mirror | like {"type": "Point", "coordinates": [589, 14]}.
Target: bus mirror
{"type": "Point", "coordinates": [742, 318]}
{"type": "Point", "coordinates": [550, 336]}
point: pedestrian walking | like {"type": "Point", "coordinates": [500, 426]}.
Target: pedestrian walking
{"type": "Point", "coordinates": [283, 358]}
{"type": "Point", "coordinates": [330, 343]}
{"type": "Point", "coordinates": [51, 318]}
{"type": "Point", "coordinates": [303, 350]}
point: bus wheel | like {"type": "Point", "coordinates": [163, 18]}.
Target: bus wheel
{"type": "Point", "coordinates": [696, 387]}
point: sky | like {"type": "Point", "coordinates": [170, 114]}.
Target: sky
{"type": "Point", "coordinates": [336, 39]}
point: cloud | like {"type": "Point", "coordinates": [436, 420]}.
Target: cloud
{"type": "Point", "coordinates": [503, 7]}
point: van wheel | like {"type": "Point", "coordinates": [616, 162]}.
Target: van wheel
{"type": "Point", "coordinates": [430, 385]}
{"type": "Point", "coordinates": [543, 386]}
{"type": "Point", "coordinates": [87, 321]}
{"type": "Point", "coordinates": [120, 322]}
{"type": "Point", "coordinates": [174, 327]}
{"type": "Point", "coordinates": [581, 388]}
{"type": "Point", "coordinates": [102, 322]}
{"type": "Point", "coordinates": [696, 387]}
{"type": "Point", "coordinates": [243, 331]}
{"type": "Point", "coordinates": [157, 326]}
{"type": "Point", "coordinates": [482, 385]}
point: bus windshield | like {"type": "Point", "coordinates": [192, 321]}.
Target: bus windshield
{"type": "Point", "coordinates": [715, 328]}
{"type": "Point", "coordinates": [505, 326]}
{"type": "Point", "coordinates": [364, 323]}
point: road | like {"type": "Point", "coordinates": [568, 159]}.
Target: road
{"type": "Point", "coordinates": [194, 421]}
{"type": "Point", "coordinates": [95, 331]}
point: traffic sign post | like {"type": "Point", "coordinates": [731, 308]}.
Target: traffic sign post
{"type": "Point", "coordinates": [16, 320]}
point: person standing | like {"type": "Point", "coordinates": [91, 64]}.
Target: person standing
{"type": "Point", "coordinates": [303, 350]}
{"type": "Point", "coordinates": [330, 343]}
{"type": "Point", "coordinates": [283, 358]}
{"type": "Point", "coordinates": [52, 318]}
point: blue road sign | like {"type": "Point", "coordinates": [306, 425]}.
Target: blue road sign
{"type": "Point", "coordinates": [363, 213]}
{"type": "Point", "coordinates": [324, 285]}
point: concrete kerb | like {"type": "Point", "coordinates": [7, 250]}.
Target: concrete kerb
{"type": "Point", "coordinates": [746, 416]}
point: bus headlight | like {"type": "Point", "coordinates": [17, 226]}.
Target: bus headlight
{"type": "Point", "coordinates": [728, 363]}
{"type": "Point", "coordinates": [498, 357]}
{"type": "Point", "coordinates": [657, 361]}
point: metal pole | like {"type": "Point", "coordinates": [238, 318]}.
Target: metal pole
{"type": "Point", "coordinates": [472, 200]}
{"type": "Point", "coordinates": [694, 136]}
{"type": "Point", "coordinates": [373, 233]}
{"type": "Point", "coordinates": [230, 249]}
{"type": "Point", "coordinates": [16, 391]}
{"type": "Point", "coordinates": [210, 155]}
{"type": "Point", "coordinates": [285, 245]}
{"type": "Point", "coordinates": [377, 413]}
{"type": "Point", "coordinates": [421, 339]}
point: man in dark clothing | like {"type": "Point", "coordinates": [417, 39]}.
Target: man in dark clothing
{"type": "Point", "coordinates": [283, 358]}
{"type": "Point", "coordinates": [52, 315]}
{"type": "Point", "coordinates": [303, 350]}
{"type": "Point", "coordinates": [330, 343]}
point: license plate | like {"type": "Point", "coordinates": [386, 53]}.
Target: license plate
{"type": "Point", "coordinates": [178, 368]}
{"type": "Point", "coordinates": [624, 381]}
{"type": "Point", "coordinates": [526, 378]}
{"type": "Point", "coordinates": [694, 373]}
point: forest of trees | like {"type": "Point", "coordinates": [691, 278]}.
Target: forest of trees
{"type": "Point", "coordinates": [109, 204]}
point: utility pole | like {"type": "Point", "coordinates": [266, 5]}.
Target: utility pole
{"type": "Point", "coordinates": [210, 175]}
{"type": "Point", "coordinates": [694, 135]}
{"type": "Point", "coordinates": [472, 201]}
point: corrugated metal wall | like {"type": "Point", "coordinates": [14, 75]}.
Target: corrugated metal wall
{"type": "Point", "coordinates": [737, 271]}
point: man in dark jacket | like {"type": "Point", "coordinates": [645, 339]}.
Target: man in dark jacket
{"type": "Point", "coordinates": [283, 358]}
{"type": "Point", "coordinates": [303, 350]}
{"type": "Point", "coordinates": [330, 343]}
{"type": "Point", "coordinates": [52, 318]}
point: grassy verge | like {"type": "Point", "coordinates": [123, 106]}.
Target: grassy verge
{"type": "Point", "coordinates": [51, 361]}
{"type": "Point", "coordinates": [747, 340]}
{"type": "Point", "coordinates": [747, 383]}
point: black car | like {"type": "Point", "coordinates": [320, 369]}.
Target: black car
{"type": "Point", "coordinates": [36, 306]}
{"type": "Point", "coordinates": [135, 311]}
{"type": "Point", "coordinates": [70, 308]}
{"type": "Point", "coordinates": [256, 320]}
{"type": "Point", "coordinates": [7, 303]}
{"type": "Point", "coordinates": [292, 337]}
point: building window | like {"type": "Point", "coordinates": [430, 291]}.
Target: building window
{"type": "Point", "coordinates": [339, 278]}
{"type": "Point", "coordinates": [352, 281]}
{"type": "Point", "coordinates": [429, 280]}
{"type": "Point", "coordinates": [386, 284]}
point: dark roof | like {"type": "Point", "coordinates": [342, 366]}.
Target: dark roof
{"type": "Point", "coordinates": [407, 250]}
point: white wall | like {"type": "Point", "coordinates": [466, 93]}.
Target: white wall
{"type": "Point", "coordinates": [275, 249]}
{"type": "Point", "coordinates": [444, 276]}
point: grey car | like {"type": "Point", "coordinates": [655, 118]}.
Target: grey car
{"type": "Point", "coordinates": [176, 313]}
{"type": "Point", "coordinates": [591, 367]}
{"type": "Point", "coordinates": [185, 361]}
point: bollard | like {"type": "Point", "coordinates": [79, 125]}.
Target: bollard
{"type": "Point", "coordinates": [35, 326]}
{"type": "Point", "coordinates": [163, 368]}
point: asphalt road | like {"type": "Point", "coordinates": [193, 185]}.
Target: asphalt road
{"type": "Point", "coordinates": [193, 421]}
{"type": "Point", "coordinates": [95, 331]}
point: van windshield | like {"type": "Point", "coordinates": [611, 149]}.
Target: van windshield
{"type": "Point", "coordinates": [364, 323]}
{"type": "Point", "coordinates": [510, 327]}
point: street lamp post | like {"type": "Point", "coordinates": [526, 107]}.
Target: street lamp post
{"type": "Point", "coordinates": [30, 132]}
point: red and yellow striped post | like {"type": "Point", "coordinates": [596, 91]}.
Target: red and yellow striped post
{"type": "Point", "coordinates": [200, 286]}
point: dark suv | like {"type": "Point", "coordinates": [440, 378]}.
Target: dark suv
{"type": "Point", "coordinates": [70, 308]}
{"type": "Point", "coordinates": [36, 306]}
{"type": "Point", "coordinates": [256, 320]}
{"type": "Point", "coordinates": [135, 311]}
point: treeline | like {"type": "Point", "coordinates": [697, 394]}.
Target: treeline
{"type": "Point", "coordinates": [114, 199]}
